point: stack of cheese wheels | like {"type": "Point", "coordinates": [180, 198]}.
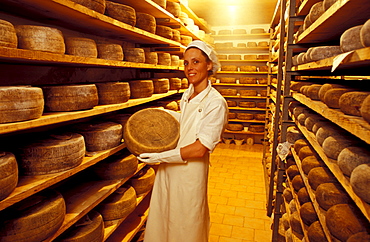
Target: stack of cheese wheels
{"type": "Point", "coordinates": [96, 5]}
{"type": "Point", "coordinates": [164, 59]}
{"type": "Point", "coordinates": [123, 13]}
{"type": "Point", "coordinates": [161, 85]}
{"type": "Point", "coordinates": [134, 55]}
{"type": "Point", "coordinates": [8, 37]}
{"type": "Point", "coordinates": [173, 8]}
{"type": "Point", "coordinates": [227, 80]}
{"type": "Point", "coordinates": [34, 219]}
{"type": "Point", "coordinates": [113, 92]}
{"type": "Point", "coordinates": [248, 92]}
{"type": "Point", "coordinates": [50, 154]}
{"type": "Point", "coordinates": [247, 104]}
{"type": "Point", "coordinates": [70, 97]}
{"type": "Point", "coordinates": [110, 51]}
{"type": "Point", "coordinates": [40, 38]}
{"type": "Point", "coordinates": [351, 39]}
{"type": "Point", "coordinates": [161, 3]}
{"type": "Point", "coordinates": [88, 228]}
{"type": "Point", "coordinates": [164, 31]}
{"type": "Point", "coordinates": [8, 174]}
{"type": "Point", "coordinates": [143, 181]}
{"type": "Point", "coordinates": [256, 128]}
{"type": "Point", "coordinates": [100, 135]}
{"type": "Point", "coordinates": [247, 80]}
{"type": "Point", "coordinates": [176, 35]}
{"type": "Point", "coordinates": [141, 88]}
{"type": "Point", "coordinates": [175, 60]}
{"type": "Point", "coordinates": [20, 103]}
{"type": "Point", "coordinates": [185, 40]}
{"type": "Point", "coordinates": [234, 127]}
{"type": "Point", "coordinates": [175, 83]}
{"type": "Point", "coordinates": [146, 22]}
{"type": "Point", "coordinates": [248, 68]}
{"type": "Point", "coordinates": [151, 57]}
{"type": "Point", "coordinates": [229, 68]}
{"type": "Point", "coordinates": [83, 47]}
{"type": "Point", "coordinates": [118, 166]}
{"type": "Point", "coordinates": [228, 92]}
{"type": "Point", "coordinates": [151, 130]}
{"type": "Point", "coordinates": [184, 83]}
{"type": "Point", "coordinates": [119, 204]}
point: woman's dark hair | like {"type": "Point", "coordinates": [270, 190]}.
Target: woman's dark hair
{"type": "Point", "coordinates": [210, 72]}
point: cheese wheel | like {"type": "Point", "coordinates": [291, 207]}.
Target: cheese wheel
{"type": "Point", "coordinates": [350, 39]}
{"type": "Point", "coordinates": [70, 97]}
{"type": "Point", "coordinates": [174, 8]}
{"type": "Point", "coordinates": [232, 115]}
{"type": "Point", "coordinates": [40, 38]}
{"type": "Point", "coordinates": [227, 80]}
{"type": "Point", "coordinates": [164, 59]}
{"type": "Point", "coordinates": [83, 47]}
{"type": "Point", "coordinates": [134, 55]}
{"type": "Point", "coordinates": [308, 213]}
{"type": "Point", "coordinates": [303, 196]}
{"type": "Point", "coordinates": [262, 80]}
{"type": "Point", "coordinates": [311, 120]}
{"type": "Point", "coordinates": [259, 116]}
{"type": "Point", "coordinates": [263, 57]}
{"type": "Point", "coordinates": [245, 116]}
{"type": "Point", "coordinates": [121, 12]}
{"type": "Point", "coordinates": [263, 93]}
{"type": "Point", "coordinates": [326, 87]}
{"type": "Point", "coordinates": [256, 128]}
{"type": "Point", "coordinates": [234, 57]}
{"type": "Point", "coordinates": [151, 57]}
{"type": "Point", "coordinates": [185, 40]}
{"type": "Point", "coordinates": [88, 228]}
{"type": "Point", "coordinates": [292, 206]}
{"type": "Point", "coordinates": [361, 236]}
{"type": "Point", "coordinates": [319, 175]}
{"type": "Point", "coordinates": [234, 127]}
{"type": "Point", "coordinates": [292, 171]}
{"type": "Point", "coordinates": [225, 32]}
{"type": "Point", "coordinates": [113, 92]}
{"type": "Point", "coordinates": [161, 85]}
{"type": "Point", "coordinates": [332, 96]}
{"type": "Point", "coordinates": [287, 194]}
{"type": "Point", "coordinates": [175, 83]}
{"type": "Point", "coordinates": [360, 178]}
{"type": "Point", "coordinates": [293, 134]}
{"type": "Point", "coordinates": [248, 92]}
{"type": "Point", "coordinates": [141, 88]}
{"type": "Point", "coordinates": [96, 5]}
{"type": "Point", "coordinates": [297, 182]}
{"type": "Point", "coordinates": [316, 11]}
{"type": "Point", "coordinates": [365, 109]}
{"type": "Point", "coordinates": [248, 68]}
{"type": "Point", "coordinates": [298, 144]}
{"type": "Point", "coordinates": [151, 130]}
{"type": "Point", "coordinates": [261, 104]}
{"type": "Point", "coordinates": [250, 57]}
{"type": "Point", "coordinates": [306, 151]}
{"type": "Point", "coordinates": [119, 204]}
{"type": "Point", "coordinates": [330, 194]}
{"type": "Point", "coordinates": [239, 31]}
{"type": "Point", "coordinates": [20, 103]}
{"type": "Point", "coordinates": [310, 162]}
{"type": "Point", "coordinates": [228, 92]}
{"type": "Point", "coordinates": [8, 36]}
{"type": "Point", "coordinates": [8, 174]}
{"type": "Point", "coordinates": [333, 145]}
{"type": "Point", "coordinates": [306, 22]}
{"type": "Point", "coordinates": [146, 22]}
{"type": "Point", "coordinates": [176, 35]}
{"type": "Point", "coordinates": [110, 51]}
{"type": "Point", "coordinates": [247, 104]}
{"type": "Point", "coordinates": [231, 103]}
{"type": "Point", "coordinates": [229, 68]}
{"type": "Point", "coordinates": [164, 31]}
{"type": "Point", "coordinates": [344, 220]}
{"type": "Point", "coordinates": [143, 181]}
{"type": "Point", "coordinates": [350, 102]}
{"type": "Point", "coordinates": [325, 131]}
{"type": "Point", "coordinates": [365, 34]}
{"type": "Point", "coordinates": [327, 4]}
{"type": "Point", "coordinates": [262, 69]}
{"type": "Point", "coordinates": [313, 91]}
{"type": "Point", "coordinates": [315, 233]}
{"type": "Point", "coordinates": [323, 52]}
{"type": "Point", "coordinates": [248, 80]}
{"type": "Point", "coordinates": [263, 44]}
{"type": "Point", "coordinates": [351, 157]}
{"type": "Point", "coordinates": [222, 57]}
{"type": "Point", "coordinates": [184, 83]}
{"type": "Point", "coordinates": [161, 3]}
{"type": "Point", "coordinates": [251, 44]}
{"type": "Point", "coordinates": [257, 31]}
{"type": "Point", "coordinates": [295, 223]}
{"type": "Point", "coordinates": [175, 60]}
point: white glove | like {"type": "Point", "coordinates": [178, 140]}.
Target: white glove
{"type": "Point", "coordinates": [170, 156]}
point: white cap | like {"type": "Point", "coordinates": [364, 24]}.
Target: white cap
{"type": "Point", "coordinates": [209, 51]}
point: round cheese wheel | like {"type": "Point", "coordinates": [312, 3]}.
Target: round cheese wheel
{"type": "Point", "coordinates": [248, 92]}
{"type": "Point", "coordinates": [365, 109]}
{"type": "Point", "coordinates": [235, 57]}
{"type": "Point", "coordinates": [287, 194]}
{"type": "Point", "coordinates": [164, 31]}
{"type": "Point", "coordinates": [70, 97]}
{"type": "Point", "coordinates": [292, 171]}
{"type": "Point", "coordinates": [360, 178]}
{"type": "Point", "coordinates": [161, 85]}
{"type": "Point", "coordinates": [330, 194]}
{"type": "Point", "coordinates": [248, 68]}
{"type": "Point", "coordinates": [361, 236]}
{"type": "Point", "coordinates": [83, 47]}
{"type": "Point", "coordinates": [263, 93]}
{"type": "Point", "coordinates": [318, 125]}
{"type": "Point", "coordinates": [175, 83]}
{"type": "Point", "coordinates": [293, 134]}
{"type": "Point", "coordinates": [327, 4]}
{"type": "Point", "coordinates": [40, 38]}
{"type": "Point", "coordinates": [227, 80]}
{"type": "Point", "coordinates": [51, 154]}
{"type": "Point", "coordinates": [302, 118]}
{"type": "Point", "coordinates": [247, 104]}
{"type": "Point", "coordinates": [303, 196]}
{"type": "Point", "coordinates": [311, 120]}
{"type": "Point", "coordinates": [113, 92]}
{"type": "Point", "coordinates": [350, 39]}
{"type": "Point", "coordinates": [326, 87]}
{"type": "Point", "coordinates": [250, 57]}
{"type": "Point", "coordinates": [316, 11]}
{"type": "Point", "coordinates": [141, 88]}
{"type": "Point", "coordinates": [110, 52]}
{"type": "Point", "coordinates": [232, 115]}
{"type": "Point", "coordinates": [175, 60]}
{"type": "Point", "coordinates": [134, 55]}
{"type": "Point", "coordinates": [351, 157]}
{"type": "Point", "coordinates": [313, 91]}
{"type": "Point", "coordinates": [365, 34]}
{"type": "Point", "coordinates": [295, 223]}
{"type": "Point", "coordinates": [248, 80]}
{"type": "Point", "coordinates": [96, 5]}
{"type": "Point", "coordinates": [298, 144]}
{"type": "Point", "coordinates": [8, 37]}
{"type": "Point", "coordinates": [151, 57]}
{"type": "Point", "coordinates": [121, 12]}
{"type": "Point", "coordinates": [306, 151]}
{"type": "Point", "coordinates": [315, 233]}
{"type": "Point", "coordinates": [251, 44]}
{"type": "Point", "coordinates": [185, 40]}
{"type": "Point", "coordinates": [257, 31]}
{"type": "Point", "coordinates": [151, 130]}
{"type": "Point", "coordinates": [224, 32]}
{"type": "Point", "coordinates": [34, 219]}
{"type": "Point", "coordinates": [231, 103]}
{"type": "Point", "coordinates": [8, 174]}
{"type": "Point", "coordinates": [20, 103]}
{"type": "Point", "coordinates": [176, 35]}
{"type": "Point", "coordinates": [306, 22]}
{"type": "Point", "coordinates": [174, 8]}
{"type": "Point", "coordinates": [228, 92]}
{"type": "Point", "coordinates": [119, 204]}
{"type": "Point", "coordinates": [262, 80]}
{"type": "Point", "coordinates": [297, 182]}
{"type": "Point", "coordinates": [143, 181]}
{"type": "Point", "coordinates": [311, 162]}
{"type": "Point", "coordinates": [319, 175]}
{"type": "Point", "coordinates": [256, 128]}
{"type": "Point", "coordinates": [229, 68]}
{"type": "Point", "coordinates": [146, 22]}
{"type": "Point", "coordinates": [308, 213]}
{"type": "Point", "coordinates": [263, 69]}
{"type": "Point", "coordinates": [261, 104]}
{"type": "Point", "coordinates": [259, 116]}
{"type": "Point", "coordinates": [325, 131]}
{"type": "Point", "coordinates": [263, 44]}
{"type": "Point", "coordinates": [234, 127]}
{"type": "Point", "coordinates": [161, 3]}
{"type": "Point", "coordinates": [245, 116]}
{"type": "Point", "coordinates": [222, 57]}
{"type": "Point", "coordinates": [333, 145]}
{"type": "Point", "coordinates": [350, 102]}
{"type": "Point", "coordinates": [164, 59]}
{"type": "Point", "coordinates": [323, 52]}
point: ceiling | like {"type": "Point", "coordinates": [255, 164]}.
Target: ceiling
{"type": "Point", "coordinates": [234, 12]}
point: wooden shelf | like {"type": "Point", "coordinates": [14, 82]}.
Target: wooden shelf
{"type": "Point", "coordinates": [242, 72]}
{"type": "Point", "coordinates": [243, 132]}
{"type": "Point", "coordinates": [353, 124]}
{"type": "Point", "coordinates": [241, 49]}
{"type": "Point", "coordinates": [239, 85]}
{"type": "Point", "coordinates": [305, 7]}
{"type": "Point", "coordinates": [242, 61]}
{"type": "Point", "coordinates": [276, 15]}
{"type": "Point", "coordinates": [241, 36]}
{"type": "Point", "coordinates": [29, 185]}
{"type": "Point", "coordinates": [245, 97]}
{"type": "Point", "coordinates": [247, 121]}
{"type": "Point", "coordinates": [59, 117]}
{"type": "Point", "coordinates": [247, 109]}
{"type": "Point", "coordinates": [331, 24]}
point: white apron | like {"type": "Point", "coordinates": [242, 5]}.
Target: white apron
{"type": "Point", "coordinates": [179, 205]}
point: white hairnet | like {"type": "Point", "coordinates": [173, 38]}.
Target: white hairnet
{"type": "Point", "coordinates": [209, 51]}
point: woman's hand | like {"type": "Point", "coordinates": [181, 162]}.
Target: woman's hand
{"type": "Point", "coordinates": [170, 156]}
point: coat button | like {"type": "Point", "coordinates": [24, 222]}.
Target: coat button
{"type": "Point", "coordinates": [200, 110]}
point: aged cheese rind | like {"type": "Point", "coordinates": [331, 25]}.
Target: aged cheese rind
{"type": "Point", "coordinates": [350, 39]}
{"type": "Point", "coordinates": [113, 92]}
{"type": "Point", "coordinates": [8, 174]}
{"type": "Point", "coordinates": [146, 22]}
{"type": "Point", "coordinates": [121, 12]}
{"type": "Point", "coordinates": [8, 36]}
{"type": "Point", "coordinates": [143, 181]}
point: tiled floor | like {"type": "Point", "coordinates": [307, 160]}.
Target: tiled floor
{"type": "Point", "coordinates": [237, 195]}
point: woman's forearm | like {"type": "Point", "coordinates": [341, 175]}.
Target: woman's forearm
{"type": "Point", "coordinates": [194, 150]}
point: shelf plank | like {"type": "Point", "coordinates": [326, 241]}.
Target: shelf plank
{"type": "Point", "coordinates": [245, 97]}
{"type": "Point", "coordinates": [334, 168]}
{"type": "Point", "coordinates": [239, 85]}
{"type": "Point", "coordinates": [29, 185]}
{"type": "Point", "coordinates": [247, 109]}
{"type": "Point", "coordinates": [241, 49]}
{"type": "Point", "coordinates": [247, 121]}
{"type": "Point", "coordinates": [305, 7]}
{"type": "Point", "coordinates": [242, 61]}
{"type": "Point", "coordinates": [243, 132]}
{"type": "Point", "coordinates": [241, 36]}
{"type": "Point", "coordinates": [242, 72]}
{"type": "Point", "coordinates": [353, 124]}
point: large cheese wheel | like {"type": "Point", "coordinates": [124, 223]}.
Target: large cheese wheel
{"type": "Point", "coordinates": [295, 223]}
{"type": "Point", "coordinates": [292, 171]}
{"type": "Point", "coordinates": [332, 96]}
{"type": "Point", "coordinates": [248, 68]}
{"type": "Point", "coordinates": [326, 87]}
{"type": "Point", "coordinates": [175, 83]}
{"type": "Point", "coordinates": [308, 213]}
{"type": "Point", "coordinates": [89, 228]}
{"type": "Point", "coordinates": [313, 91]}
{"type": "Point", "coordinates": [351, 157]}
{"type": "Point", "coordinates": [344, 220]}
{"type": "Point", "coordinates": [360, 180]}
{"type": "Point", "coordinates": [330, 194]}
{"type": "Point", "coordinates": [303, 196]}
{"type": "Point", "coordinates": [222, 57]}
{"type": "Point", "coordinates": [228, 92]}
{"type": "Point", "coordinates": [8, 36]}
{"type": "Point", "coordinates": [8, 174]}
{"type": "Point", "coordinates": [247, 104]}
{"type": "Point", "coordinates": [248, 92]}
{"type": "Point", "coordinates": [173, 8]}
{"type": "Point", "coordinates": [361, 236]}
{"type": "Point", "coordinates": [315, 233]}
{"type": "Point", "coordinates": [288, 195]}
{"type": "Point", "coordinates": [297, 182]}
{"type": "Point", "coordinates": [311, 162]}
{"type": "Point", "coordinates": [259, 116]}
{"type": "Point", "coordinates": [250, 57]}
{"type": "Point", "coordinates": [319, 175]}
{"type": "Point", "coordinates": [161, 3]}
{"type": "Point", "coordinates": [298, 144]}
{"type": "Point", "coordinates": [34, 219]}
{"type": "Point", "coordinates": [175, 60]}
{"type": "Point", "coordinates": [20, 103]}
{"type": "Point", "coordinates": [83, 47]}
{"type": "Point", "coordinates": [323, 52]}
{"type": "Point", "coordinates": [123, 13]}
{"type": "Point", "coordinates": [365, 34]}
{"type": "Point", "coordinates": [325, 131]}
{"type": "Point", "coordinates": [134, 55]}
{"type": "Point", "coordinates": [110, 51]}
{"type": "Point", "coordinates": [333, 145]}
{"type": "Point", "coordinates": [365, 109]}
{"type": "Point", "coordinates": [256, 128]}
{"type": "Point", "coordinates": [161, 85]}
{"type": "Point", "coordinates": [306, 151]}
{"type": "Point", "coordinates": [306, 23]}
{"type": "Point", "coordinates": [257, 31]}
{"type": "Point", "coordinates": [350, 39]}
{"type": "Point", "coordinates": [176, 35]}
{"type": "Point", "coordinates": [245, 116]}
{"type": "Point", "coordinates": [96, 5]}
{"type": "Point", "coordinates": [293, 134]}
{"type": "Point", "coordinates": [151, 57]}
{"type": "Point", "coordinates": [318, 125]}
{"type": "Point", "coordinates": [164, 59]}
{"type": "Point", "coordinates": [312, 119]}
{"type": "Point", "coordinates": [231, 103]}
{"type": "Point", "coordinates": [261, 104]}
{"type": "Point", "coordinates": [316, 11]}
{"type": "Point", "coordinates": [235, 57]}
{"type": "Point", "coordinates": [151, 130]}
{"type": "Point", "coordinates": [227, 80]}
{"type": "Point", "coordinates": [113, 92]}
{"type": "Point", "coordinates": [141, 88]}
{"type": "Point", "coordinates": [119, 204]}
{"type": "Point", "coordinates": [229, 68]}
{"type": "Point", "coordinates": [327, 4]}
{"type": "Point", "coordinates": [52, 154]}
{"type": "Point", "coordinates": [234, 127]}
{"type": "Point", "coordinates": [185, 40]}
{"type": "Point", "coordinates": [143, 181]}
{"type": "Point", "coordinates": [251, 44]}
{"type": "Point", "coordinates": [146, 22]}
{"type": "Point", "coordinates": [40, 38]}
{"type": "Point", "coordinates": [119, 166]}
{"type": "Point", "coordinates": [248, 80]}
{"type": "Point", "coordinates": [100, 135]}
{"type": "Point", "coordinates": [70, 97]}
{"type": "Point", "coordinates": [164, 31]}
{"type": "Point", "coordinates": [350, 102]}
{"type": "Point", "coordinates": [225, 32]}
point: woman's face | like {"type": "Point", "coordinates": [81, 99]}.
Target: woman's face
{"type": "Point", "coordinates": [196, 66]}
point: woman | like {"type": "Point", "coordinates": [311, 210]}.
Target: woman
{"type": "Point", "coordinates": [179, 205]}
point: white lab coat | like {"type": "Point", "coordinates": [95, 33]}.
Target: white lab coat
{"type": "Point", "coordinates": [179, 206]}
